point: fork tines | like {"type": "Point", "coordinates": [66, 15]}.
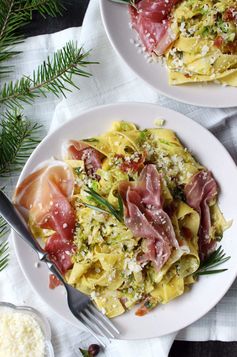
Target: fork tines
{"type": "Point", "coordinates": [97, 323]}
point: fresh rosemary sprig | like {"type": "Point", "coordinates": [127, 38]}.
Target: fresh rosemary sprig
{"type": "Point", "coordinates": [117, 213]}
{"type": "Point", "coordinates": [54, 75]}
{"type": "Point", "coordinates": [4, 256]}
{"type": "Point", "coordinates": [215, 259]}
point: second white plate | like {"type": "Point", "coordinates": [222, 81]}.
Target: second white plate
{"type": "Point", "coordinates": [116, 22]}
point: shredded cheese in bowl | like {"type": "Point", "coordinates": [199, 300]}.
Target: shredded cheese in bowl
{"type": "Point", "coordinates": [23, 332]}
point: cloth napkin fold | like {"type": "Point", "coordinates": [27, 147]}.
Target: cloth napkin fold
{"type": "Point", "coordinates": [112, 81]}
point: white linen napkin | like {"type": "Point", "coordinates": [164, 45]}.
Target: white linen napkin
{"type": "Point", "coordinates": [112, 81]}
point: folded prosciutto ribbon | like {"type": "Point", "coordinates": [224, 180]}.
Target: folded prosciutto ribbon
{"type": "Point", "coordinates": [44, 199]}
{"type": "Point", "coordinates": [78, 150]}
{"type": "Point", "coordinates": [145, 216]}
{"type": "Point", "coordinates": [150, 18]}
{"type": "Point", "coordinates": [199, 192]}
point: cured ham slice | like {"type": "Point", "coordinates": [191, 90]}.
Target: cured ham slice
{"type": "Point", "coordinates": [78, 150]}
{"type": "Point", "coordinates": [146, 218]}
{"type": "Point", "coordinates": [150, 19]}
{"type": "Point", "coordinates": [199, 192]}
{"type": "Point", "coordinates": [44, 197]}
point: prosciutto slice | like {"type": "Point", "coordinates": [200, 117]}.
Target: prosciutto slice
{"type": "Point", "coordinates": [44, 197]}
{"type": "Point", "coordinates": [150, 19]}
{"type": "Point", "coordinates": [146, 218]}
{"type": "Point", "coordinates": [201, 189]}
{"type": "Point", "coordinates": [78, 150]}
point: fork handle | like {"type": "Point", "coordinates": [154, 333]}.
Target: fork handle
{"type": "Point", "coordinates": [10, 214]}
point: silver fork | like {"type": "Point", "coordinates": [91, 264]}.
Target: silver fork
{"type": "Point", "coordinates": [80, 304]}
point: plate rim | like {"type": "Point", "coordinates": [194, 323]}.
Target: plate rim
{"type": "Point", "coordinates": [160, 91]}
{"type": "Point", "coordinates": [48, 136]}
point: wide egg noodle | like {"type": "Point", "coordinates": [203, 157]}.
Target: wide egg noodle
{"type": "Point", "coordinates": [194, 57]}
{"type": "Point", "coordinates": [105, 262]}
{"type": "Point", "coordinates": [115, 141]}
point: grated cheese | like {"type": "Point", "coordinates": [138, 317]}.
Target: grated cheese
{"type": "Point", "coordinates": [20, 335]}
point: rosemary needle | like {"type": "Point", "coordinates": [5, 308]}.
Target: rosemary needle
{"type": "Point", "coordinates": [117, 213]}
{"type": "Point", "coordinates": [217, 258]}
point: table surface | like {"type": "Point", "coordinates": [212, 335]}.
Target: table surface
{"type": "Point", "coordinates": [72, 17]}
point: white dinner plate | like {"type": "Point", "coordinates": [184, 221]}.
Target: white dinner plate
{"type": "Point", "coordinates": [116, 22]}
{"type": "Point", "coordinates": [209, 289]}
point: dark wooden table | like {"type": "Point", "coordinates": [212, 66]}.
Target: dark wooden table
{"type": "Point", "coordinates": [72, 17]}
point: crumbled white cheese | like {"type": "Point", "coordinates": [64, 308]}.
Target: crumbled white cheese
{"type": "Point", "coordinates": [205, 49]}
{"type": "Point", "coordinates": [159, 122]}
{"type": "Point", "coordinates": [93, 295]}
{"type": "Point", "coordinates": [20, 335]}
{"type": "Point", "coordinates": [132, 266]}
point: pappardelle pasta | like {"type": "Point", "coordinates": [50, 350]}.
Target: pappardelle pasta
{"type": "Point", "coordinates": [206, 45]}
{"type": "Point", "coordinates": [128, 217]}
{"type": "Point", "coordinates": [197, 39]}
{"type": "Point", "coordinates": [117, 263]}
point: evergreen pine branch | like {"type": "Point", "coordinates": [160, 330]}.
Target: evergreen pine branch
{"type": "Point", "coordinates": [18, 138]}
{"type": "Point", "coordinates": [13, 15]}
{"type": "Point", "coordinates": [44, 7]}
{"type": "Point", "coordinates": [54, 75]}
{"type": "Point", "coordinates": [4, 256]}
{"type": "Point", "coordinates": [4, 229]}
{"type": "Point", "coordinates": [9, 23]}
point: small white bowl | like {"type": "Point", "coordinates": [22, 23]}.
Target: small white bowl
{"type": "Point", "coordinates": [42, 321]}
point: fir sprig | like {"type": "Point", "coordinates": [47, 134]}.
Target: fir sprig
{"type": "Point", "coordinates": [54, 75]}
{"type": "Point", "coordinates": [217, 258]}
{"type": "Point", "coordinates": [18, 138]}
{"type": "Point", "coordinates": [4, 229]}
{"type": "Point", "coordinates": [4, 256]}
{"type": "Point", "coordinates": [13, 15]}
{"type": "Point", "coordinates": [117, 213]}
{"type": "Point", "coordinates": [44, 7]}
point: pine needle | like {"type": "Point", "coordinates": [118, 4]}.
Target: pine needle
{"type": "Point", "coordinates": [215, 259]}
{"type": "Point", "coordinates": [18, 138]}
{"type": "Point", "coordinates": [4, 256]}
{"type": "Point", "coordinates": [127, 2]}
{"type": "Point", "coordinates": [4, 229]}
{"type": "Point", "coordinates": [44, 7]}
{"type": "Point", "coordinates": [54, 75]}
